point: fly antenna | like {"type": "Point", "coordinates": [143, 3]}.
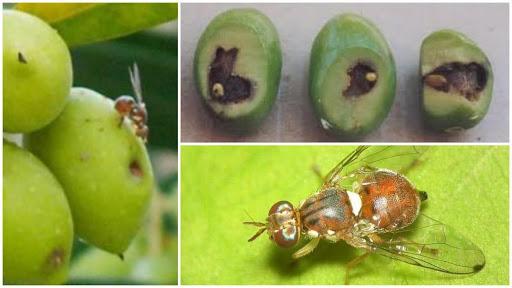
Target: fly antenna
{"type": "Point", "coordinates": [253, 222]}
{"type": "Point", "coordinates": [257, 224]}
{"type": "Point", "coordinates": [257, 234]}
{"type": "Point", "coordinates": [249, 215]}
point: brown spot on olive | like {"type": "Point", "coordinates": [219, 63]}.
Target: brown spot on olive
{"type": "Point", "coordinates": [55, 259]}
{"type": "Point", "coordinates": [466, 80]}
{"type": "Point", "coordinates": [224, 85]}
{"type": "Point", "coordinates": [135, 169]}
{"type": "Point", "coordinates": [84, 156]}
{"type": "Point", "coordinates": [362, 79]}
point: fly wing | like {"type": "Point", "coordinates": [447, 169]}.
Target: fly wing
{"type": "Point", "coordinates": [135, 79]}
{"type": "Point", "coordinates": [433, 245]}
{"type": "Point", "coordinates": [397, 158]}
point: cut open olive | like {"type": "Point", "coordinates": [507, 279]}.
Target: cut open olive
{"type": "Point", "coordinates": [237, 67]}
{"type": "Point", "coordinates": [466, 80]}
{"type": "Point", "coordinates": [362, 80]}
{"type": "Point", "coordinates": [457, 81]}
{"type": "Point", "coordinates": [352, 76]}
{"type": "Point", "coordinates": [225, 86]}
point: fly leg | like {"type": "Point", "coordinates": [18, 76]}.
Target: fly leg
{"type": "Point", "coordinates": [121, 120]}
{"type": "Point", "coordinates": [306, 249]}
{"type": "Point", "coordinates": [354, 262]}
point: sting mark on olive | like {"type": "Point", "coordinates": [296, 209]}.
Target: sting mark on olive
{"type": "Point", "coordinates": [465, 79]}
{"type": "Point", "coordinates": [55, 259]}
{"type": "Point", "coordinates": [121, 256]}
{"type": "Point", "coordinates": [21, 58]}
{"type": "Point", "coordinates": [362, 79]}
{"type": "Point", "coordinates": [135, 169]}
{"type": "Point", "coordinates": [224, 85]}
{"type": "Point", "coordinates": [85, 156]}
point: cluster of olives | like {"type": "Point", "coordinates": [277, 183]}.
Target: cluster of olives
{"type": "Point", "coordinates": [352, 74]}
{"type": "Point", "coordinates": [82, 171]}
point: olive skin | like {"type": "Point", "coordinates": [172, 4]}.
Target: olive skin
{"type": "Point", "coordinates": [37, 72]}
{"type": "Point", "coordinates": [449, 110]}
{"type": "Point", "coordinates": [37, 222]}
{"type": "Point", "coordinates": [347, 104]}
{"type": "Point", "coordinates": [252, 42]}
{"type": "Point", "coordinates": [102, 165]}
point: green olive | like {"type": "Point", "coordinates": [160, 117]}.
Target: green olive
{"type": "Point", "coordinates": [37, 72]}
{"type": "Point", "coordinates": [351, 77]}
{"type": "Point", "coordinates": [457, 81]}
{"type": "Point", "coordinates": [37, 223]}
{"type": "Point", "coordinates": [238, 67]}
{"type": "Point", "coordinates": [102, 165]}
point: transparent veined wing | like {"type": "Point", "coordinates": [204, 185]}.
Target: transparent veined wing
{"type": "Point", "coordinates": [135, 80]}
{"type": "Point", "coordinates": [431, 244]}
{"type": "Point", "coordinates": [397, 158]}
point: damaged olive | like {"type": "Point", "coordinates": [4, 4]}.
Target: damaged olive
{"type": "Point", "coordinates": [37, 72]}
{"type": "Point", "coordinates": [237, 66]}
{"type": "Point", "coordinates": [37, 225]}
{"type": "Point", "coordinates": [457, 81]}
{"type": "Point", "coordinates": [352, 76]}
{"type": "Point", "coordinates": [103, 167]}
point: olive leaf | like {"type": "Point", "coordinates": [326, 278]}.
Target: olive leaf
{"type": "Point", "coordinates": [87, 23]}
{"type": "Point", "coordinates": [467, 188]}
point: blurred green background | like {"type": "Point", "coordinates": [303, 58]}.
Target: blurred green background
{"type": "Point", "coordinates": [467, 186]}
{"type": "Point", "coordinates": [152, 257]}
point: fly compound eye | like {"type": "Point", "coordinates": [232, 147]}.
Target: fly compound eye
{"type": "Point", "coordinates": [280, 207]}
{"type": "Point", "coordinates": [124, 105]}
{"type": "Point", "coordinates": [286, 237]}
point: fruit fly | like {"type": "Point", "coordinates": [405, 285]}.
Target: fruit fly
{"type": "Point", "coordinates": [367, 202]}
{"type": "Point", "coordinates": [134, 109]}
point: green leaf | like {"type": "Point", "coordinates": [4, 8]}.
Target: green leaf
{"type": "Point", "coordinates": [467, 186]}
{"type": "Point", "coordinates": [86, 23]}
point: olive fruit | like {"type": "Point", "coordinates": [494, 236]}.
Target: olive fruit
{"type": "Point", "coordinates": [237, 66]}
{"type": "Point", "coordinates": [37, 223]}
{"type": "Point", "coordinates": [351, 76]}
{"type": "Point", "coordinates": [37, 72]}
{"type": "Point", "coordinates": [103, 167]}
{"type": "Point", "coordinates": [457, 81]}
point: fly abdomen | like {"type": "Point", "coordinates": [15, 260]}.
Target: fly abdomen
{"type": "Point", "coordinates": [389, 200]}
